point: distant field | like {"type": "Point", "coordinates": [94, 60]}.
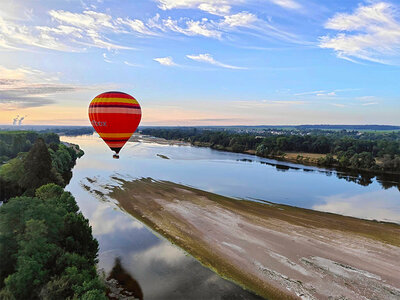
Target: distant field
{"type": "Point", "coordinates": [312, 157]}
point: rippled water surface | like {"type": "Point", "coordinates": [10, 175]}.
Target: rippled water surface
{"type": "Point", "coordinates": [164, 271]}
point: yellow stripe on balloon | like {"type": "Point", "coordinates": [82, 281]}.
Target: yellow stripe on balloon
{"type": "Point", "coordinates": [122, 100]}
{"type": "Point", "coordinates": [116, 135]}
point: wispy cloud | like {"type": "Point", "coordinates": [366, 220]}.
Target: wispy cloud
{"type": "Point", "coordinates": [207, 58]}
{"type": "Point", "coordinates": [371, 33]}
{"type": "Point", "coordinates": [106, 59]}
{"type": "Point", "coordinates": [326, 94]}
{"type": "Point", "coordinates": [253, 104]}
{"type": "Point", "coordinates": [187, 27]}
{"type": "Point", "coordinates": [366, 98]}
{"type": "Point", "coordinates": [242, 19]}
{"type": "Point", "coordinates": [165, 61]}
{"type": "Point", "coordinates": [136, 26]}
{"type": "Point", "coordinates": [370, 103]}
{"type": "Point", "coordinates": [289, 4]}
{"type": "Point", "coordinates": [70, 32]}
{"type": "Point", "coordinates": [76, 31]}
{"type": "Point", "coordinates": [227, 24]}
{"type": "Point", "coordinates": [26, 87]}
{"type": "Point", "coordinates": [131, 64]}
{"type": "Point", "coordinates": [309, 93]}
{"type": "Point", "coordinates": [338, 105]}
{"type": "Point", "coordinates": [217, 7]}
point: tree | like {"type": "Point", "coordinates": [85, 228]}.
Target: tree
{"type": "Point", "coordinates": [37, 167]}
{"type": "Point", "coordinates": [47, 249]}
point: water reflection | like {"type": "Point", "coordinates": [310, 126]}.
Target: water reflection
{"type": "Point", "coordinates": [126, 285]}
{"type": "Point", "coordinates": [361, 178]}
{"type": "Point", "coordinates": [165, 271]}
{"type": "Point", "coordinates": [371, 205]}
{"type": "Point", "coordinates": [230, 174]}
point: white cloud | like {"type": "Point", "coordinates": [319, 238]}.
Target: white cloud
{"type": "Point", "coordinates": [71, 31]}
{"type": "Point", "coordinates": [86, 20]}
{"type": "Point", "coordinates": [371, 33]}
{"type": "Point", "coordinates": [253, 104]}
{"type": "Point", "coordinates": [289, 4]}
{"type": "Point", "coordinates": [106, 58]}
{"type": "Point", "coordinates": [92, 24]}
{"type": "Point", "coordinates": [338, 104]}
{"type": "Point", "coordinates": [240, 19]}
{"type": "Point", "coordinates": [192, 28]}
{"type": "Point", "coordinates": [366, 98]}
{"type": "Point", "coordinates": [369, 103]}
{"type": "Point", "coordinates": [207, 58]}
{"type": "Point", "coordinates": [13, 35]}
{"type": "Point", "coordinates": [309, 93]}
{"type": "Point", "coordinates": [136, 25]}
{"type": "Point", "coordinates": [165, 61]}
{"type": "Point", "coordinates": [131, 64]}
{"type": "Point", "coordinates": [327, 94]}
{"type": "Point", "coordinates": [217, 7]}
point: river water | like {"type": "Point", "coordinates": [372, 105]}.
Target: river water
{"type": "Point", "coordinates": [163, 270]}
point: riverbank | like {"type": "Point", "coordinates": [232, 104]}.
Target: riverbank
{"type": "Point", "coordinates": [301, 158]}
{"type": "Point", "coordinates": [348, 151]}
{"type": "Point", "coordinates": [275, 250]}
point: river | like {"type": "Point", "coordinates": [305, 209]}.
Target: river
{"type": "Point", "coordinates": [164, 271]}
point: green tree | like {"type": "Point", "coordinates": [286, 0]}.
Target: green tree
{"type": "Point", "coordinates": [37, 167]}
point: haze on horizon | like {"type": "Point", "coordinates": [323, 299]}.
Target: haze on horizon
{"type": "Point", "coordinates": [203, 62]}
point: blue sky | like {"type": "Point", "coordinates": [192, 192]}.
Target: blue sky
{"type": "Point", "coordinates": [203, 62]}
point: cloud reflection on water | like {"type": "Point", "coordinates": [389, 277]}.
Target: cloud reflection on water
{"type": "Point", "coordinates": [376, 205]}
{"type": "Point", "coordinates": [102, 224]}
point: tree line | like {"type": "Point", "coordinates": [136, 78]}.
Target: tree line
{"type": "Point", "coordinates": [47, 161]}
{"type": "Point", "coordinates": [379, 152]}
{"type": "Point", "coordinates": [47, 249]}
{"type": "Point", "coordinates": [14, 142]}
{"type": "Point", "coordinates": [46, 245]}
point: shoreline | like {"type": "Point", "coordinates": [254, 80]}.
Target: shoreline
{"type": "Point", "coordinates": [277, 251]}
{"type": "Point", "coordinates": [303, 162]}
{"type": "Point", "coordinates": [308, 159]}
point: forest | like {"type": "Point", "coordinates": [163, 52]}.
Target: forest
{"type": "Point", "coordinates": [46, 245]}
{"type": "Point", "coordinates": [367, 151]}
{"type": "Point", "coordinates": [47, 248]}
{"type": "Point", "coordinates": [29, 160]}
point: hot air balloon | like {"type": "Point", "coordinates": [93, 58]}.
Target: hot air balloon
{"type": "Point", "coordinates": [115, 117]}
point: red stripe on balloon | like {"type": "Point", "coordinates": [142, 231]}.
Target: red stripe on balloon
{"type": "Point", "coordinates": [114, 95]}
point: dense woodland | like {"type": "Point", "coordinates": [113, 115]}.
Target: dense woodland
{"type": "Point", "coordinates": [372, 151]}
{"type": "Point", "coordinates": [46, 246]}
{"type": "Point", "coordinates": [29, 160]}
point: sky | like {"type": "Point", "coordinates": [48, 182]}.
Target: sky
{"type": "Point", "coordinates": [202, 62]}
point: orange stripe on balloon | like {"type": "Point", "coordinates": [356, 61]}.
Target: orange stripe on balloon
{"type": "Point", "coordinates": [115, 135]}
{"type": "Point", "coordinates": [122, 100]}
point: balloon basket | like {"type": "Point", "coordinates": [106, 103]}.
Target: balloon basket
{"type": "Point", "coordinates": [116, 156]}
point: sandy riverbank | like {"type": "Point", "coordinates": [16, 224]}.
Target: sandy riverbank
{"type": "Point", "coordinates": [277, 251]}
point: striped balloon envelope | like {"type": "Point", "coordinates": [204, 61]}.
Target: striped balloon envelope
{"type": "Point", "coordinates": [115, 116]}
